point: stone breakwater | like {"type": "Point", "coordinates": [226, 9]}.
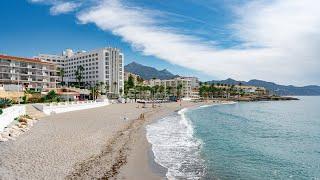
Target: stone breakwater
{"type": "Point", "coordinates": [23, 124]}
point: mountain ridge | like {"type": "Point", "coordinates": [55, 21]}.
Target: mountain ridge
{"type": "Point", "coordinates": [147, 73]}
{"type": "Point", "coordinates": [282, 90]}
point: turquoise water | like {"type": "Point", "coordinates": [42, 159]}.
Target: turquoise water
{"type": "Point", "coordinates": [258, 140]}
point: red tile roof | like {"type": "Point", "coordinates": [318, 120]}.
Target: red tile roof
{"type": "Point", "coordinates": [24, 59]}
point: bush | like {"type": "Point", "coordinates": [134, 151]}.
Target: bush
{"type": "Point", "coordinates": [5, 102]}
{"type": "Point", "coordinates": [1, 111]}
{"type": "Point", "coordinates": [52, 96]}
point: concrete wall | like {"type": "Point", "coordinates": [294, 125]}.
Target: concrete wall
{"type": "Point", "coordinates": [9, 114]}
{"type": "Point", "coordinates": [69, 106]}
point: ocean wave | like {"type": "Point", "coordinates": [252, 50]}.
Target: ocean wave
{"type": "Point", "coordinates": [217, 104]}
{"type": "Point", "coordinates": [175, 147]}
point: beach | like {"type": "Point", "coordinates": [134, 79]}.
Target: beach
{"type": "Point", "coordinates": [107, 142]}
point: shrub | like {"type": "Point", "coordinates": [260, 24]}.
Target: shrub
{"type": "Point", "coordinates": [52, 96]}
{"type": "Point", "coordinates": [5, 102]}
{"type": "Point", "coordinates": [1, 111]}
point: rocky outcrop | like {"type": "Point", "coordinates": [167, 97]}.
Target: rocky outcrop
{"type": "Point", "coordinates": [22, 125]}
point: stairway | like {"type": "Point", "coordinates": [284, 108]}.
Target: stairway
{"type": "Point", "coordinates": [34, 112]}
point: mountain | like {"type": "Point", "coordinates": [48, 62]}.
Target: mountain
{"type": "Point", "coordinates": [147, 72]}
{"type": "Point", "coordinates": [281, 90]}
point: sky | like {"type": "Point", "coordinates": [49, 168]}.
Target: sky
{"type": "Point", "coordinates": [272, 40]}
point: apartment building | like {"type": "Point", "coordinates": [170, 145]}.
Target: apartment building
{"type": "Point", "coordinates": [103, 65]}
{"type": "Point", "coordinates": [188, 84]}
{"type": "Point", "coordinates": [27, 72]}
{"type": "Point", "coordinates": [134, 76]}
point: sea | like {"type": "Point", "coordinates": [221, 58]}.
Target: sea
{"type": "Point", "coordinates": [245, 140]}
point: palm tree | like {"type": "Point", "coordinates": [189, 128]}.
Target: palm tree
{"type": "Point", "coordinates": [107, 88]}
{"type": "Point", "coordinates": [94, 91]}
{"type": "Point", "coordinates": [139, 80]}
{"type": "Point", "coordinates": [179, 87]}
{"type": "Point", "coordinates": [101, 86]}
{"type": "Point", "coordinates": [120, 91]}
{"type": "Point", "coordinates": [162, 90]}
{"type": "Point", "coordinates": [79, 74]}
{"type": "Point", "coordinates": [61, 74]}
{"type": "Point", "coordinates": [154, 91]}
{"type": "Point", "coordinates": [115, 87]}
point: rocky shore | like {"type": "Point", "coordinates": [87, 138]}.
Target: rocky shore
{"type": "Point", "coordinates": [18, 127]}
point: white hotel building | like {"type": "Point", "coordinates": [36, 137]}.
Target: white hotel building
{"type": "Point", "coordinates": [102, 65]}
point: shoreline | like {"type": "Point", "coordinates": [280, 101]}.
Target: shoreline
{"type": "Point", "coordinates": [105, 142]}
{"type": "Point", "coordinates": [144, 154]}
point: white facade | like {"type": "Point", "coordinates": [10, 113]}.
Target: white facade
{"type": "Point", "coordinates": [26, 73]}
{"type": "Point", "coordinates": [186, 90]}
{"type": "Point", "coordinates": [58, 60]}
{"type": "Point", "coordinates": [102, 65]}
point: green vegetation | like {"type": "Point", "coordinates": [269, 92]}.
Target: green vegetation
{"type": "Point", "coordinates": [5, 102]}
{"type": "Point", "coordinates": [52, 96]}
{"type": "Point", "coordinates": [61, 74]}
{"type": "Point", "coordinates": [219, 90]}
{"type": "Point", "coordinates": [79, 74]}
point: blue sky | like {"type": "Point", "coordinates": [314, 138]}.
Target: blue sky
{"type": "Point", "coordinates": [212, 39]}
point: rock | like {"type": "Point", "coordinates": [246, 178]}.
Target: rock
{"type": "Point", "coordinates": [11, 138]}
{"type": "Point", "coordinates": [23, 119]}
{"type": "Point", "coordinates": [15, 127]}
{"type": "Point", "coordinates": [5, 134]}
{"type": "Point", "coordinates": [23, 123]}
{"type": "Point", "coordinates": [2, 139]}
{"type": "Point", "coordinates": [23, 130]}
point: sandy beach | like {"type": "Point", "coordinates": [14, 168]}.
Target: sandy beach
{"type": "Point", "coordinates": [107, 142]}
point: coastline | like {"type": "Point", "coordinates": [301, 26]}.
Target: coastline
{"type": "Point", "coordinates": [141, 163]}
{"type": "Point", "coordinates": [93, 143]}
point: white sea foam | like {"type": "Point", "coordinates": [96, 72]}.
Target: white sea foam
{"type": "Point", "coordinates": [217, 104]}
{"type": "Point", "coordinates": [175, 147]}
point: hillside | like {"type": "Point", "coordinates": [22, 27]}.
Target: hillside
{"type": "Point", "coordinates": [276, 88]}
{"type": "Point", "coordinates": [147, 72]}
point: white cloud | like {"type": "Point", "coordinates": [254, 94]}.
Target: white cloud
{"type": "Point", "coordinates": [285, 33]}
{"type": "Point", "coordinates": [280, 38]}
{"type": "Point", "coordinates": [63, 7]}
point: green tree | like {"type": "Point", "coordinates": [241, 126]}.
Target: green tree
{"type": "Point", "coordinates": [130, 81]}
{"type": "Point", "coordinates": [52, 96]}
{"type": "Point", "coordinates": [61, 74]}
{"type": "Point", "coordinates": [79, 74]}
{"type": "Point", "coordinates": [120, 91]}
{"type": "Point", "coordinates": [161, 91]}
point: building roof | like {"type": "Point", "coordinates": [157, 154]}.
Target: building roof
{"type": "Point", "coordinates": [15, 58]}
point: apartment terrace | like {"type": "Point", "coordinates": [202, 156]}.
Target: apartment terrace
{"type": "Point", "coordinates": [32, 73]}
